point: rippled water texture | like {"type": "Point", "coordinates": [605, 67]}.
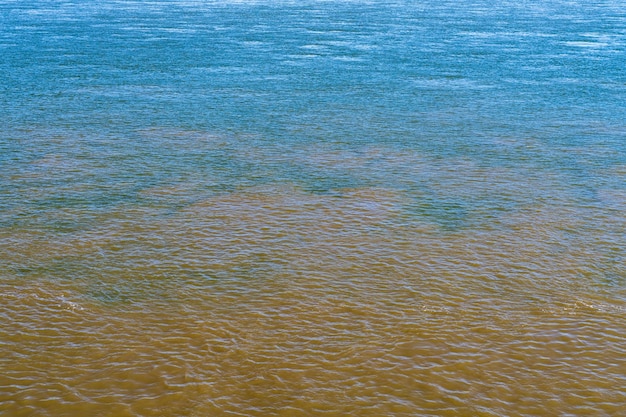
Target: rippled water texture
{"type": "Point", "coordinates": [274, 208]}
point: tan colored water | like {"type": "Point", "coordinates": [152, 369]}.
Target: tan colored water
{"type": "Point", "coordinates": [275, 302]}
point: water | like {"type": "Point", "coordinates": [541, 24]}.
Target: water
{"type": "Point", "coordinates": [266, 208]}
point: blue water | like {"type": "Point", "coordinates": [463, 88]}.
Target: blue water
{"type": "Point", "coordinates": [514, 84]}
{"type": "Point", "coordinates": [452, 165]}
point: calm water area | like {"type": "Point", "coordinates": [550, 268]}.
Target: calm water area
{"type": "Point", "coordinates": [312, 208]}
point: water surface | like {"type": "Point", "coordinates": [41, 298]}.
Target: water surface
{"type": "Point", "coordinates": [266, 208]}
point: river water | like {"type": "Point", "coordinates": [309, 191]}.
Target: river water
{"type": "Point", "coordinates": [302, 208]}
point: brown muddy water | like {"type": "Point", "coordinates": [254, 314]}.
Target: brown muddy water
{"type": "Point", "coordinates": [272, 301]}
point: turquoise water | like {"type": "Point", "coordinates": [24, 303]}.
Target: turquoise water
{"type": "Point", "coordinates": [168, 162]}
{"type": "Point", "coordinates": [111, 86]}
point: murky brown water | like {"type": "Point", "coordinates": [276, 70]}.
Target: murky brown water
{"type": "Point", "coordinates": [271, 301]}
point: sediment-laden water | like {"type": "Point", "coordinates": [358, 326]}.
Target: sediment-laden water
{"type": "Point", "coordinates": [277, 208]}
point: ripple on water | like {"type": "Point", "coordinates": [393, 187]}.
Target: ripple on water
{"type": "Point", "coordinates": [263, 302]}
{"type": "Point", "coordinates": [355, 208]}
